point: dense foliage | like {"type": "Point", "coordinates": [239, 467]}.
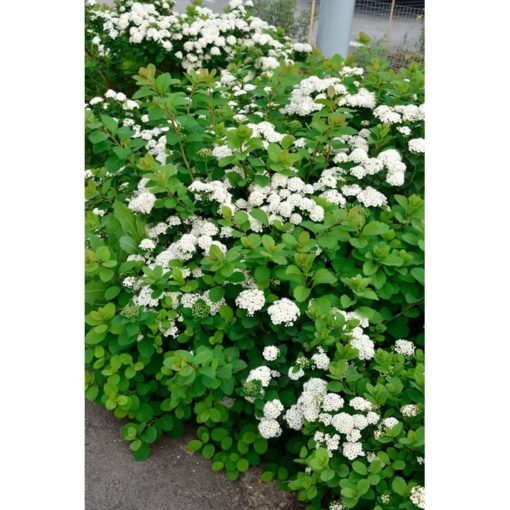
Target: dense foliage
{"type": "Point", "coordinates": [254, 255]}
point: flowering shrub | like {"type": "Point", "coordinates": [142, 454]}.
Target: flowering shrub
{"type": "Point", "coordinates": [120, 40]}
{"type": "Point", "coordinates": [254, 265]}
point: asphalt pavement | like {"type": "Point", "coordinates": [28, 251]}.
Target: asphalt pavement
{"type": "Point", "coordinates": [172, 478]}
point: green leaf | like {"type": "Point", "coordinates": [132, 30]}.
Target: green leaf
{"type": "Point", "coordinates": [324, 276]}
{"type": "Point", "coordinates": [135, 445]}
{"type": "Point", "coordinates": [262, 276]}
{"type": "Point", "coordinates": [243, 465]}
{"type": "Point", "coordinates": [301, 293]}
{"type": "Point", "coordinates": [110, 123]}
{"type": "Point", "coordinates": [216, 294]}
{"type": "Point", "coordinates": [103, 253]}
{"type": "Point", "coordinates": [112, 292]}
{"type": "Point", "coordinates": [260, 215]}
{"type": "Point", "coordinates": [359, 467]}
{"type": "Point", "coordinates": [128, 221]}
{"type": "Point", "coordinates": [399, 486]}
{"type": "Point", "coordinates": [217, 466]}
{"type": "Point", "coordinates": [163, 83]}
{"type": "Point", "coordinates": [194, 445]}
{"type": "Point", "coordinates": [375, 228]}
{"type": "Point", "coordinates": [93, 337]}
{"type": "Point", "coordinates": [419, 274]}
{"type": "Point", "coordinates": [260, 446]}
{"type": "Point", "coordinates": [327, 475]}
{"type": "Point", "coordinates": [98, 137]}
{"type": "Point", "coordinates": [208, 451]}
{"type": "Point", "coordinates": [128, 244]}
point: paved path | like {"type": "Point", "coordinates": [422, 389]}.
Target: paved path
{"type": "Point", "coordinates": [170, 479]}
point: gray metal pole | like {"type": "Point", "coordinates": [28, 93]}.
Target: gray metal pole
{"type": "Point", "coordinates": [335, 25]}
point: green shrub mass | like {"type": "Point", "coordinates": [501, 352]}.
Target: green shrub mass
{"type": "Point", "coordinates": [254, 251]}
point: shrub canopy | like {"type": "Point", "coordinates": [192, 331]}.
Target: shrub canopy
{"type": "Point", "coordinates": [254, 251]}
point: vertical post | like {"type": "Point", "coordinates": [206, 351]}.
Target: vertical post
{"type": "Point", "coordinates": [312, 20]}
{"type": "Point", "coordinates": [335, 26]}
{"type": "Point", "coordinates": [390, 25]}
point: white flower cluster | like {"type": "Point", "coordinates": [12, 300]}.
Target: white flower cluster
{"type": "Point", "coordinates": [417, 496]}
{"type": "Point", "coordinates": [189, 300]}
{"type": "Point", "coordinates": [147, 244]}
{"type": "Point", "coordinates": [145, 299]}
{"type": "Point", "coordinates": [269, 428]}
{"type": "Point", "coordinates": [143, 201]}
{"type": "Point", "coordinates": [200, 236]}
{"type": "Point", "coordinates": [222, 151]}
{"type": "Point", "coordinates": [267, 131]}
{"type": "Point", "coordinates": [273, 409]}
{"type": "Point", "coordinates": [193, 40]}
{"type": "Point", "coordinates": [400, 113]}
{"type": "Point", "coordinates": [285, 199]}
{"type": "Point", "coordinates": [320, 359]}
{"type": "Point", "coordinates": [270, 353]}
{"type": "Point", "coordinates": [98, 212]}
{"type": "Point", "coordinates": [112, 98]}
{"type": "Point", "coordinates": [331, 442]}
{"type": "Point", "coordinates": [284, 311]}
{"type": "Point", "coordinates": [305, 96]}
{"type": "Point", "coordinates": [215, 191]}
{"type": "Point", "coordinates": [316, 406]}
{"type": "Point", "coordinates": [358, 339]}
{"type": "Point", "coordinates": [405, 347]}
{"type": "Point", "coordinates": [417, 146]}
{"type": "Point", "coordinates": [410, 410]}
{"type": "Point", "coordinates": [262, 374]}
{"type": "Point", "coordinates": [251, 300]}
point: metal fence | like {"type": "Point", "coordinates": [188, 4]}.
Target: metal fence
{"type": "Point", "coordinates": [392, 28]}
{"type": "Point", "coordinates": [395, 28]}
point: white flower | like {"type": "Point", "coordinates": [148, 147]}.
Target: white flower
{"type": "Point", "coordinates": [390, 422]}
{"type": "Point", "coordinates": [365, 347]}
{"type": "Point", "coordinates": [342, 422]}
{"type": "Point", "coordinates": [98, 212]}
{"type": "Point", "coordinates": [360, 421]}
{"type": "Point", "coordinates": [221, 151]}
{"type": "Point", "coordinates": [404, 130]}
{"type": "Point", "coordinates": [417, 496]}
{"type": "Point", "coordinates": [270, 352]}
{"type": "Point", "coordinates": [352, 450]}
{"type": "Point", "coordinates": [129, 282]}
{"type": "Point", "coordinates": [410, 410]}
{"type": "Point", "coordinates": [321, 360]}
{"type": "Point", "coordinates": [295, 374]}
{"type": "Point", "coordinates": [269, 428]}
{"type": "Point", "coordinates": [372, 418]}
{"type": "Point", "coordinates": [294, 417]}
{"type": "Point", "coordinates": [251, 301]}
{"type": "Point", "coordinates": [143, 202]}
{"type": "Point", "coordinates": [417, 145]}
{"type": "Point", "coordinates": [404, 347]}
{"type": "Point", "coordinates": [147, 244]}
{"type": "Point", "coordinates": [262, 374]}
{"type": "Point", "coordinates": [370, 197]}
{"type": "Point", "coordinates": [332, 402]}
{"type": "Point", "coordinates": [283, 311]}
{"type": "Point", "coordinates": [145, 298]}
{"type": "Point", "coordinates": [360, 404]}
{"type": "Point", "coordinates": [272, 409]}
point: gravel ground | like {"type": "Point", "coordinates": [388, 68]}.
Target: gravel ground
{"type": "Point", "coordinates": [170, 479]}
